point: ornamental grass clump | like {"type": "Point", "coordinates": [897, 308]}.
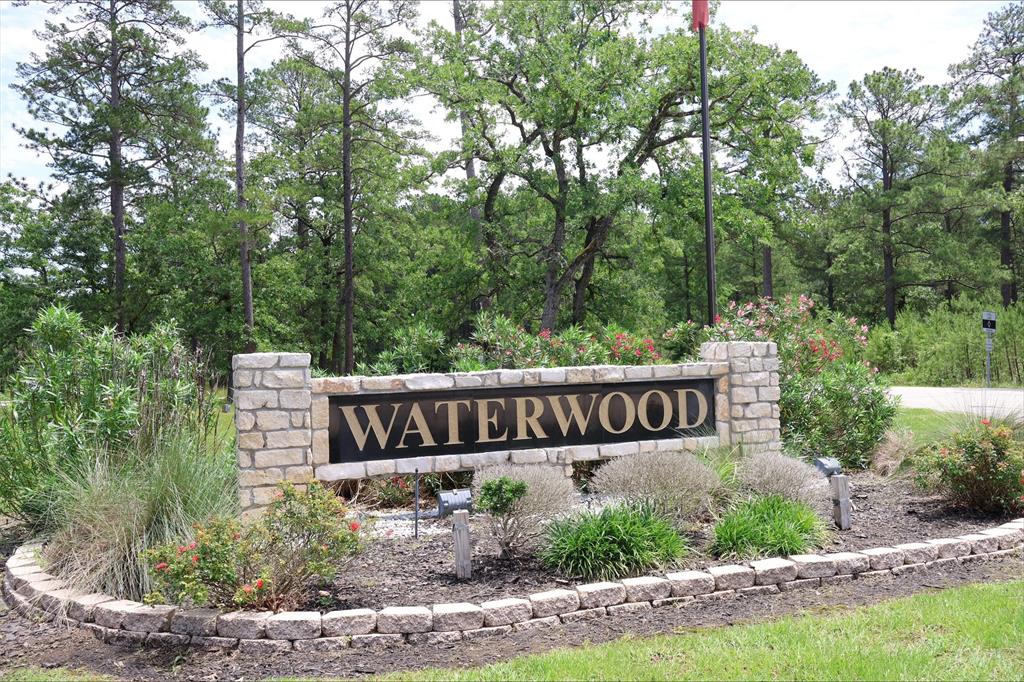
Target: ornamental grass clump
{"type": "Point", "coordinates": [619, 541]}
{"type": "Point", "coordinates": [302, 539]}
{"type": "Point", "coordinates": [980, 467]}
{"type": "Point", "coordinates": [767, 526]}
{"type": "Point", "coordinates": [771, 473]}
{"type": "Point", "coordinates": [676, 484]}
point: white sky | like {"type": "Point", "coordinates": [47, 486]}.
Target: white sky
{"type": "Point", "coordinates": [840, 40]}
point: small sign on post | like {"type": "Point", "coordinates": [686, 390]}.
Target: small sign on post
{"type": "Point", "coordinates": [988, 325]}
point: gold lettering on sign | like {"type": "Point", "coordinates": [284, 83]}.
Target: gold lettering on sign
{"type": "Point", "coordinates": [577, 411]}
{"type": "Point", "coordinates": [485, 420]}
{"type": "Point", "coordinates": [666, 410]}
{"type": "Point", "coordinates": [702, 407]}
{"type": "Point", "coordinates": [602, 412]}
{"type": "Point", "coordinates": [374, 424]}
{"type": "Point", "coordinates": [453, 418]}
{"type": "Point", "coordinates": [422, 428]}
{"type": "Point", "coordinates": [529, 419]}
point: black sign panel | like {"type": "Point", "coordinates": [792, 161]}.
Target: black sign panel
{"type": "Point", "coordinates": [420, 423]}
{"type": "Point", "coordinates": [988, 324]}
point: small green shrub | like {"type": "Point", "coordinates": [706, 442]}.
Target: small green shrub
{"type": "Point", "coordinates": [981, 468]}
{"type": "Point", "coordinates": [302, 536]}
{"type": "Point", "coordinates": [520, 501]}
{"type": "Point", "coordinates": [767, 526]}
{"type": "Point", "coordinates": [842, 411]}
{"type": "Point", "coordinates": [618, 541]}
{"type": "Point", "coordinates": [499, 496]}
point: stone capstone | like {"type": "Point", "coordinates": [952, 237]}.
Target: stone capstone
{"type": "Point", "coordinates": [773, 571]}
{"type": "Point", "coordinates": [460, 616]}
{"type": "Point", "coordinates": [647, 588]}
{"type": "Point", "coordinates": [404, 619]}
{"type": "Point", "coordinates": [506, 611]}
{"type": "Point", "coordinates": [294, 625]}
{"type": "Point", "coordinates": [243, 624]}
{"type": "Point", "coordinates": [349, 622]}
{"type": "Point", "coordinates": [732, 577]}
{"type": "Point", "coordinates": [594, 595]}
{"type": "Point", "coordinates": [690, 583]}
{"type": "Point", "coordinates": [554, 602]}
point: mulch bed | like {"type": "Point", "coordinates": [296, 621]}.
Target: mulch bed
{"type": "Point", "coordinates": [411, 572]}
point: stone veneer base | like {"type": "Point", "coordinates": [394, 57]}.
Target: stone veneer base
{"type": "Point", "coordinates": [34, 594]}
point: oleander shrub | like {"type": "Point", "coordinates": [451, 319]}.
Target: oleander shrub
{"type": "Point", "coordinates": [981, 468]}
{"type": "Point", "coordinates": [767, 526]}
{"type": "Point", "coordinates": [620, 540]}
{"type": "Point", "coordinates": [833, 402]}
{"type": "Point", "coordinates": [517, 517]}
{"type": "Point", "coordinates": [301, 540]}
{"type": "Point", "coordinates": [843, 412]}
{"type": "Point", "coordinates": [676, 484]}
{"type": "Point", "coordinates": [771, 473]}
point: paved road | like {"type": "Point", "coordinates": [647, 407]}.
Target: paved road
{"type": "Point", "coordinates": [988, 402]}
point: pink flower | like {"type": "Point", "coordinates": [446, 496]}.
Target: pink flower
{"type": "Point", "coordinates": [259, 583]}
{"type": "Point", "coordinates": [162, 566]}
{"type": "Point", "coordinates": [354, 526]}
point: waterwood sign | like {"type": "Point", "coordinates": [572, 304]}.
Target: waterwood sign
{"type": "Point", "coordinates": [402, 425]}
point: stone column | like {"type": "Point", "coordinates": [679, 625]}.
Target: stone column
{"type": "Point", "coordinates": [272, 417]}
{"type": "Point", "coordinates": [747, 403]}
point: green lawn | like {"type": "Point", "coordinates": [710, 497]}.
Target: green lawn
{"type": "Point", "coordinates": [969, 633]}
{"type": "Point", "coordinates": [927, 426]}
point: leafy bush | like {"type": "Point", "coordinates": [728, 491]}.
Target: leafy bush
{"type": "Point", "coordinates": [770, 473]}
{"type": "Point", "coordinates": [676, 484]}
{"type": "Point", "coordinates": [620, 540]}
{"type": "Point", "coordinates": [841, 413]}
{"type": "Point", "coordinates": [389, 493]}
{"type": "Point", "coordinates": [301, 537]}
{"type": "Point", "coordinates": [549, 494]}
{"type": "Point", "coordinates": [108, 446]}
{"type": "Point", "coordinates": [767, 526]}
{"type": "Point", "coordinates": [417, 348]}
{"type": "Point", "coordinates": [981, 468]}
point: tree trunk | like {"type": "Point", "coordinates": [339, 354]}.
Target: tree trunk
{"type": "Point", "coordinates": [1009, 288]}
{"type": "Point", "coordinates": [117, 172]}
{"type": "Point", "coordinates": [240, 202]}
{"type": "Point", "coordinates": [474, 210]}
{"type": "Point", "coordinates": [767, 289]}
{"type": "Point", "coordinates": [346, 179]}
{"type": "Point", "coordinates": [830, 285]}
{"type": "Point", "coordinates": [888, 251]}
{"type": "Point", "coordinates": [888, 267]}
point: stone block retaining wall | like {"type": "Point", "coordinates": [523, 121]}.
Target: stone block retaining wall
{"type": "Point", "coordinates": [282, 417]}
{"type": "Point", "coordinates": [36, 594]}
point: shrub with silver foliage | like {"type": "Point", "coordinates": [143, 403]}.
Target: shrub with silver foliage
{"type": "Point", "coordinates": [770, 473]}
{"type": "Point", "coordinates": [677, 484]}
{"type": "Point", "coordinates": [549, 494]}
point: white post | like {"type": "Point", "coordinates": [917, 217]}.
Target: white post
{"type": "Point", "coordinates": [460, 533]}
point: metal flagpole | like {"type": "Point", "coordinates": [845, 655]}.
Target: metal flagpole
{"type": "Point", "coordinates": [709, 218]}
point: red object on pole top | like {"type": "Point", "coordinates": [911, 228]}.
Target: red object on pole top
{"type": "Point", "coordinates": [701, 15]}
